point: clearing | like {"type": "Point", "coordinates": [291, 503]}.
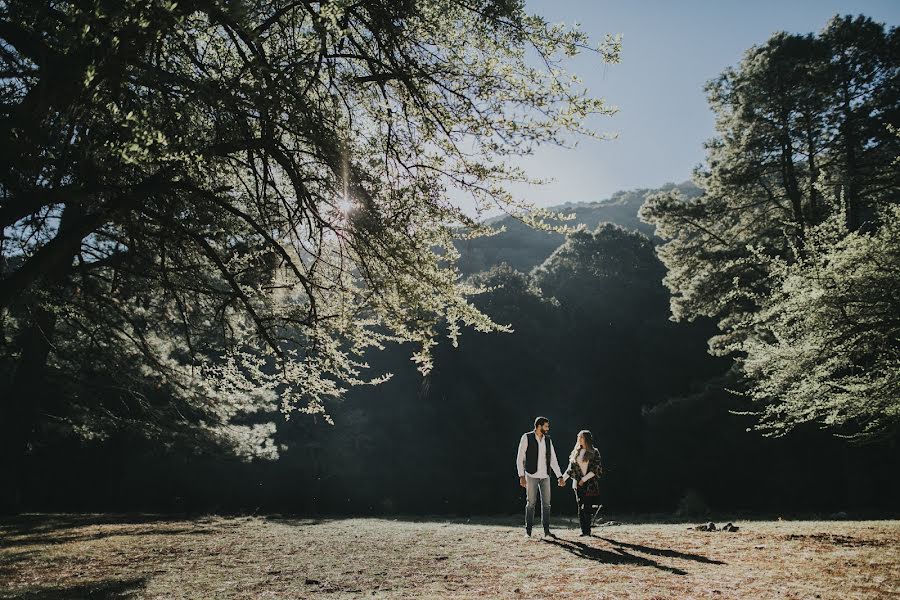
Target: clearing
{"type": "Point", "coordinates": [48, 557]}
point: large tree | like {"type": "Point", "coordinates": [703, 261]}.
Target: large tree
{"type": "Point", "coordinates": [802, 121]}
{"type": "Point", "coordinates": [229, 202]}
{"type": "Point", "coordinates": [831, 348]}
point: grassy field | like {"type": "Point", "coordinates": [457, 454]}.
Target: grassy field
{"type": "Point", "coordinates": [108, 556]}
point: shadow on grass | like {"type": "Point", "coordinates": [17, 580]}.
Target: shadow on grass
{"type": "Point", "coordinates": [662, 552]}
{"type": "Point", "coordinates": [31, 530]}
{"type": "Point", "coordinates": [101, 590]}
{"type": "Point", "coordinates": [42, 521]}
{"type": "Point", "coordinates": [8, 562]}
{"type": "Point", "coordinates": [619, 557]}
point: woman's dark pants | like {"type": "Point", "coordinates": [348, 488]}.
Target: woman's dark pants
{"type": "Point", "coordinates": [585, 512]}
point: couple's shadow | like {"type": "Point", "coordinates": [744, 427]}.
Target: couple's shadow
{"type": "Point", "coordinates": [620, 555]}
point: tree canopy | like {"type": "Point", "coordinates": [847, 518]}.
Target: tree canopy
{"type": "Point", "coordinates": [221, 205]}
{"type": "Point", "coordinates": [804, 138]}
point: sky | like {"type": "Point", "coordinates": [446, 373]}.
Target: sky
{"type": "Point", "coordinates": [670, 49]}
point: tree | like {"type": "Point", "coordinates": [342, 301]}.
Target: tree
{"type": "Point", "coordinates": [240, 198]}
{"type": "Point", "coordinates": [597, 276]}
{"type": "Point", "coordinates": [801, 117]}
{"type": "Point", "coordinates": [524, 247]}
{"type": "Point", "coordinates": [607, 284]}
{"type": "Point", "coordinates": [831, 349]}
{"type": "Point", "coordinates": [622, 354]}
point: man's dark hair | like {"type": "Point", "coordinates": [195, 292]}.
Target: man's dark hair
{"type": "Point", "coordinates": [540, 421]}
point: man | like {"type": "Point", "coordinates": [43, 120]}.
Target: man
{"type": "Point", "coordinates": [535, 460]}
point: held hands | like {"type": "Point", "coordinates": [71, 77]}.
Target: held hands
{"type": "Point", "coordinates": [562, 482]}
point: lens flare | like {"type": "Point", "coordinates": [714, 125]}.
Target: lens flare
{"type": "Point", "coordinates": [345, 205]}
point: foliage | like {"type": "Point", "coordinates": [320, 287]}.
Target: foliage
{"type": "Point", "coordinates": [601, 267]}
{"type": "Point", "coordinates": [237, 200]}
{"type": "Point", "coordinates": [831, 349]}
{"type": "Point", "coordinates": [597, 352]}
{"type": "Point", "coordinates": [802, 119]}
{"type": "Point", "coordinates": [524, 248]}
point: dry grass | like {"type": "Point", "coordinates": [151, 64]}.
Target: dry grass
{"type": "Point", "coordinates": [102, 556]}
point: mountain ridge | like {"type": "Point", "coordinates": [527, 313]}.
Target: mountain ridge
{"type": "Point", "coordinates": [523, 247]}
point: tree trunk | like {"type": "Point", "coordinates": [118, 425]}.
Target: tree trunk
{"type": "Point", "coordinates": [814, 212]}
{"type": "Point", "coordinates": [20, 407]}
{"type": "Point", "coordinates": [854, 209]}
{"type": "Point", "coordinates": [789, 179]}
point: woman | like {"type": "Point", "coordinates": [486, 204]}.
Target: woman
{"type": "Point", "coordinates": [584, 470]}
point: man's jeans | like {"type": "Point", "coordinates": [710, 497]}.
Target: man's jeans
{"type": "Point", "coordinates": [532, 485]}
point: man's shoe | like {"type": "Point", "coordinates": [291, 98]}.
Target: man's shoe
{"type": "Point", "coordinates": [528, 533]}
{"type": "Point", "coordinates": [548, 535]}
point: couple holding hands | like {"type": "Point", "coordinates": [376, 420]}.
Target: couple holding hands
{"type": "Point", "coordinates": [536, 459]}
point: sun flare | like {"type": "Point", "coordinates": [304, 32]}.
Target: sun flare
{"type": "Point", "coordinates": [345, 205]}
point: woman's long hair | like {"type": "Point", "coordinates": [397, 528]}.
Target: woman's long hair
{"type": "Point", "coordinates": [588, 445]}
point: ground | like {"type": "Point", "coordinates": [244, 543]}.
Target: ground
{"type": "Point", "coordinates": [108, 556]}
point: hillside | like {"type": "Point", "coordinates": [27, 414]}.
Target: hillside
{"type": "Point", "coordinates": [524, 248]}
